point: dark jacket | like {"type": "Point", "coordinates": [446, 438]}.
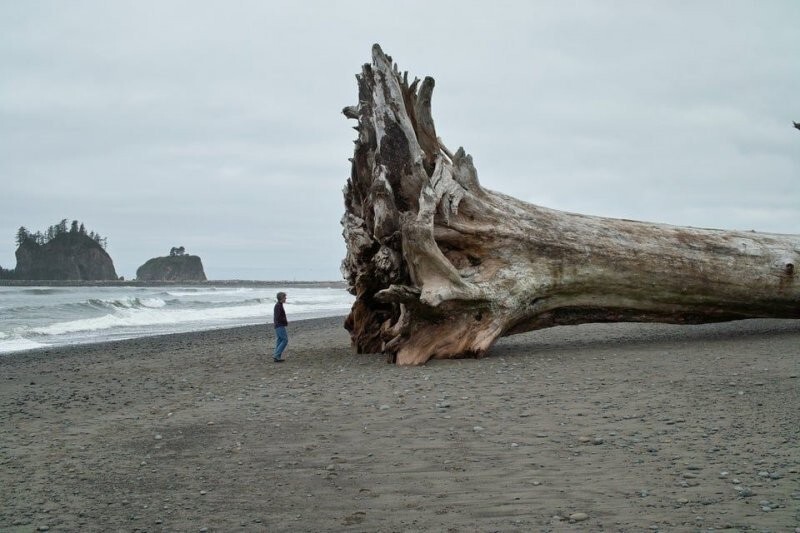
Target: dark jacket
{"type": "Point", "coordinates": [279, 316]}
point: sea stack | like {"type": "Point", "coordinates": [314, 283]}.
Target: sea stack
{"type": "Point", "coordinates": [71, 255]}
{"type": "Point", "coordinates": [177, 266]}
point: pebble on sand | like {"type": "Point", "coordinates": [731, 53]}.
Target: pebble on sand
{"type": "Point", "coordinates": [578, 517]}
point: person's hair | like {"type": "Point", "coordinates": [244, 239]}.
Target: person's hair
{"type": "Point", "coordinates": [281, 296]}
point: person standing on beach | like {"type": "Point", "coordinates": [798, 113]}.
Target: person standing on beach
{"type": "Point", "coordinates": [280, 322]}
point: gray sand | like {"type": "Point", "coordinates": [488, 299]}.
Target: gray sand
{"type": "Point", "coordinates": [619, 427]}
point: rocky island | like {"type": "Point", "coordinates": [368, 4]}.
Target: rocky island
{"type": "Point", "coordinates": [177, 266]}
{"type": "Point", "coordinates": [62, 253]}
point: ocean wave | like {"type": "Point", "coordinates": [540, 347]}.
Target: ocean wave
{"type": "Point", "coordinates": [18, 344]}
{"type": "Point", "coordinates": [128, 303]}
{"type": "Point", "coordinates": [42, 291]}
{"type": "Point", "coordinates": [72, 308]}
{"type": "Point", "coordinates": [208, 292]}
{"type": "Point", "coordinates": [153, 303]}
{"type": "Point", "coordinates": [142, 317]}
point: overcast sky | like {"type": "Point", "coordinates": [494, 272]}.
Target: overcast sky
{"type": "Point", "coordinates": [217, 126]}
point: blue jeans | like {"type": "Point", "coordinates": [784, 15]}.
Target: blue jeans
{"type": "Point", "coordinates": [281, 340]}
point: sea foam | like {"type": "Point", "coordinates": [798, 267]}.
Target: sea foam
{"type": "Point", "coordinates": [18, 344]}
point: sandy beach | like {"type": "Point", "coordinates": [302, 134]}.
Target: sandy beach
{"type": "Point", "coordinates": [614, 427]}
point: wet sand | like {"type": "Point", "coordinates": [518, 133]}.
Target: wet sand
{"type": "Point", "coordinates": [616, 427]}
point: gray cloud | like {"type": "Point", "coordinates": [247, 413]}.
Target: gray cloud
{"type": "Point", "coordinates": [216, 126]}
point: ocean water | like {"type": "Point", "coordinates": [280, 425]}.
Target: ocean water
{"type": "Point", "coordinates": [40, 317]}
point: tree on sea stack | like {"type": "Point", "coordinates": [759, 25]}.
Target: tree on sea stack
{"type": "Point", "coordinates": [442, 268]}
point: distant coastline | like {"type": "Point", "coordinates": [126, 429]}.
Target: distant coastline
{"type": "Point", "coordinates": [207, 283]}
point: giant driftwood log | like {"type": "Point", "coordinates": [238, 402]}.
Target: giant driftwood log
{"type": "Point", "coordinates": [442, 267]}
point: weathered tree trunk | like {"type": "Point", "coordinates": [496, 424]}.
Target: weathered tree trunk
{"type": "Point", "coordinates": [441, 267]}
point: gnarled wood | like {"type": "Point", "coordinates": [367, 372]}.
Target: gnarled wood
{"type": "Point", "coordinates": [441, 267]}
